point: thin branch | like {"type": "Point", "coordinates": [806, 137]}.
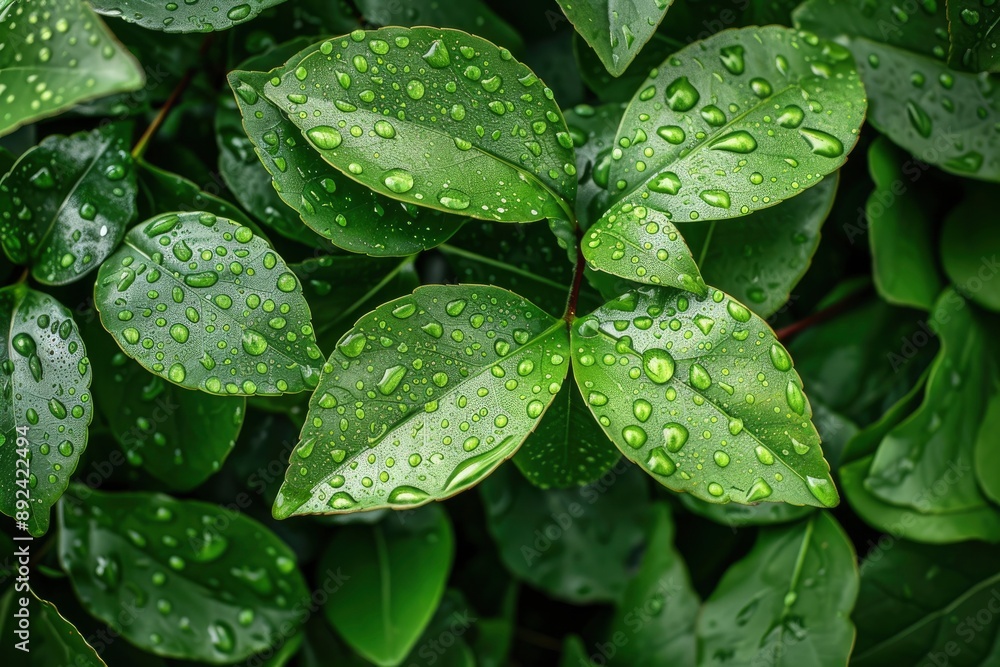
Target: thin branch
{"type": "Point", "coordinates": [821, 316]}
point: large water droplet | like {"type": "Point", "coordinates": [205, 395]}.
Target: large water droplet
{"type": "Point", "coordinates": [822, 143]}
{"type": "Point", "coordinates": [658, 365]}
{"type": "Point", "coordinates": [681, 95]}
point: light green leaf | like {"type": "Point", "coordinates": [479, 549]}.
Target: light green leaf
{"type": "Point", "coordinates": [344, 211]}
{"type": "Point", "coordinates": [900, 232]}
{"type": "Point", "coordinates": [657, 614]}
{"type": "Point", "coordinates": [52, 640]}
{"type": "Point", "coordinates": [681, 384]}
{"type": "Point", "coordinates": [176, 555]}
{"type": "Point", "coordinates": [80, 61]}
{"type": "Point", "coordinates": [788, 602]}
{"type": "Point", "coordinates": [969, 248]}
{"type": "Point", "coordinates": [616, 29]}
{"type": "Point", "coordinates": [971, 26]}
{"type": "Point", "coordinates": [423, 398]}
{"type": "Point", "coordinates": [46, 405]}
{"type": "Point", "coordinates": [66, 203]}
{"type": "Point", "coordinates": [987, 454]}
{"type": "Point", "coordinates": [916, 600]}
{"type": "Point", "coordinates": [396, 572]}
{"type": "Point", "coordinates": [472, 16]}
{"type": "Point", "coordinates": [567, 449]}
{"type": "Point", "coordinates": [759, 258]}
{"type": "Point", "coordinates": [475, 151]}
{"type": "Point", "coordinates": [943, 117]}
{"type": "Point", "coordinates": [178, 436]}
{"type": "Point", "coordinates": [205, 303]}
{"type": "Point", "coordinates": [184, 16]}
{"type": "Point", "coordinates": [576, 545]}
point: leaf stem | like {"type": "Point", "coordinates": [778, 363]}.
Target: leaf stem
{"type": "Point", "coordinates": [821, 316]}
{"type": "Point", "coordinates": [578, 270]}
{"type": "Point", "coordinates": [708, 241]}
{"type": "Point", "coordinates": [175, 94]}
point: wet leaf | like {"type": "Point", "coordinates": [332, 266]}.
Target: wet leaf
{"type": "Point", "coordinates": [568, 448]}
{"type": "Point", "coordinates": [576, 545]}
{"type": "Point", "coordinates": [702, 396]}
{"type": "Point", "coordinates": [164, 191]}
{"type": "Point", "coordinates": [740, 516]}
{"type": "Point", "coordinates": [423, 398]}
{"type": "Point", "coordinates": [788, 602]}
{"type": "Point", "coordinates": [60, 54]}
{"type": "Point", "coordinates": [346, 212]}
{"type": "Point", "coordinates": [593, 130]}
{"type": "Point", "coordinates": [472, 16]}
{"type": "Point", "coordinates": [53, 640]}
{"type": "Point", "coordinates": [46, 406]}
{"type": "Point", "coordinates": [971, 26]}
{"type": "Point", "coordinates": [65, 204]}
{"type": "Point", "coordinates": [394, 574]}
{"type": "Point", "coordinates": [969, 248]}
{"type": "Point", "coordinates": [205, 303]}
{"type": "Point", "coordinates": [943, 117]}
{"type": "Point", "coordinates": [495, 148]}
{"type": "Point", "coordinates": [184, 16]}
{"type": "Point", "coordinates": [226, 582]}
{"type": "Point", "coordinates": [616, 29]}
{"type": "Point", "coordinates": [610, 88]}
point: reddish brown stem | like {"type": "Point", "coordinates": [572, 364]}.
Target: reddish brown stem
{"type": "Point", "coordinates": [821, 316]}
{"type": "Point", "coordinates": [578, 270]}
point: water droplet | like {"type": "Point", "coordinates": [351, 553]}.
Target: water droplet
{"type": "Point", "coordinates": [732, 58]}
{"type": "Point", "coordinates": [454, 200]}
{"type": "Point", "coordinates": [239, 12]}
{"type": "Point", "coordinates": [660, 463]}
{"type": "Point", "coordinates": [634, 436]}
{"type": "Point", "coordinates": [324, 137]}
{"type": "Point", "coordinates": [437, 55]}
{"type": "Point", "coordinates": [699, 377]}
{"type": "Point", "coordinates": [253, 343]}
{"type": "Point", "coordinates": [666, 183]}
{"type": "Point", "coordinates": [716, 198]}
{"type": "Point", "coordinates": [919, 118]}
{"type": "Point", "coordinates": [398, 180]}
{"type": "Point", "coordinates": [740, 141]}
{"type": "Point", "coordinates": [713, 115]}
{"type": "Point", "coordinates": [823, 490]}
{"type": "Point", "coordinates": [760, 87]}
{"type": "Point", "coordinates": [415, 89]}
{"type": "Point", "coordinates": [675, 436]}
{"type": "Point", "coordinates": [391, 379]}
{"type": "Point", "coordinates": [681, 95]}
{"type": "Point", "coordinates": [779, 357]}
{"type": "Point", "coordinates": [407, 495]}
{"type": "Point", "coordinates": [385, 129]}
{"type": "Point", "coordinates": [658, 364]}
{"type": "Point", "coordinates": [822, 143]}
{"type": "Point", "coordinates": [795, 398]}
{"type": "Point", "coordinates": [671, 133]}
{"type": "Point", "coordinates": [759, 490]}
{"type": "Point", "coordinates": [791, 116]}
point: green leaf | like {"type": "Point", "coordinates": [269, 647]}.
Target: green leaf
{"type": "Point", "coordinates": [657, 614]}
{"type": "Point", "coordinates": [80, 61]}
{"type": "Point", "coordinates": [759, 258]}
{"type": "Point", "coordinates": [680, 384]}
{"type": "Point", "coordinates": [396, 573]}
{"type": "Point", "coordinates": [788, 602]}
{"type": "Point", "coordinates": [46, 406]}
{"type": "Point", "coordinates": [423, 398]}
{"type": "Point", "coordinates": [184, 16]}
{"type": "Point", "coordinates": [610, 88]}
{"type": "Point", "coordinates": [922, 30]}
{"type": "Point", "coordinates": [969, 248]}
{"type": "Point", "coordinates": [593, 130]}
{"type": "Point", "coordinates": [472, 16]}
{"type": "Point", "coordinates": [916, 600]}
{"type": "Point", "coordinates": [943, 117]}
{"type": "Point", "coordinates": [567, 449]}
{"type": "Point", "coordinates": [164, 191]}
{"type": "Point", "coordinates": [900, 231]}
{"type": "Point", "coordinates": [180, 437]}
{"type": "Point", "coordinates": [937, 441]}
{"type": "Point", "coordinates": [576, 545]}
{"type": "Point", "coordinates": [970, 28]}
{"type": "Point", "coordinates": [203, 302]}
{"type": "Point", "coordinates": [52, 640]}
{"type": "Point", "coordinates": [574, 653]}
{"type": "Point", "coordinates": [616, 29]}
{"type": "Point", "coordinates": [66, 203]}
{"type": "Point", "coordinates": [986, 453]}
{"type": "Point", "coordinates": [740, 516]}
{"type": "Point", "coordinates": [476, 151]}
{"type": "Point", "coordinates": [178, 556]}
{"type": "Point", "coordinates": [755, 103]}
{"type": "Point", "coordinates": [346, 212]}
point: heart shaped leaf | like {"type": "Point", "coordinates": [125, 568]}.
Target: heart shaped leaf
{"type": "Point", "coordinates": [700, 393]}
{"type": "Point", "coordinates": [78, 61]}
{"type": "Point", "coordinates": [184, 16]}
{"type": "Point", "coordinates": [177, 556]}
{"type": "Point", "coordinates": [423, 398]}
{"type": "Point", "coordinates": [65, 204]}
{"type": "Point", "coordinates": [205, 303]}
{"type": "Point", "coordinates": [45, 408]}
{"type": "Point", "coordinates": [616, 29]}
{"type": "Point", "coordinates": [432, 117]}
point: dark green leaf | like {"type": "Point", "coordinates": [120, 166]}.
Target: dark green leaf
{"type": "Point", "coordinates": [973, 43]}
{"type": "Point", "coordinates": [681, 384]}
{"type": "Point", "coordinates": [616, 29]}
{"type": "Point", "coordinates": [217, 586]}
{"type": "Point", "coordinates": [761, 257]}
{"type": "Point", "coordinates": [987, 454]}
{"type": "Point", "coordinates": [163, 191]}
{"type": "Point", "coordinates": [969, 247]}
{"type": "Point", "coordinates": [80, 60]}
{"type": "Point", "coordinates": [787, 603]}
{"type": "Point", "coordinates": [337, 208]}
{"type": "Point", "coordinates": [418, 142]}
{"type": "Point", "coordinates": [576, 545]}
{"type": "Point", "coordinates": [472, 16]}
{"type": "Point", "coordinates": [451, 379]}
{"type": "Point", "coordinates": [574, 653]}
{"type": "Point", "coordinates": [178, 436]}
{"type": "Point", "coordinates": [740, 516]}
{"type": "Point", "coordinates": [942, 117]}
{"type": "Point", "coordinates": [610, 88]}
{"type": "Point", "coordinates": [168, 297]}
{"type": "Point", "coordinates": [568, 448]}
{"type": "Point", "coordinates": [394, 574]}
{"type": "Point", "coordinates": [50, 639]}
{"type": "Point", "coordinates": [184, 16]}
{"type": "Point", "coordinates": [656, 616]}
{"type": "Point", "coordinates": [593, 131]}
{"type": "Point", "coordinates": [66, 203]}
{"type": "Point", "coordinates": [899, 226]}
{"type": "Point", "coordinates": [46, 405]}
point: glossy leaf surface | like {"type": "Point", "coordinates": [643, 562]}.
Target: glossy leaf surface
{"type": "Point", "coordinates": [53, 639]}
{"type": "Point", "coordinates": [616, 29]}
{"type": "Point", "coordinates": [969, 248]}
{"type": "Point", "coordinates": [971, 26]}
{"type": "Point", "coordinates": [184, 16]}
{"type": "Point", "coordinates": [472, 16]}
